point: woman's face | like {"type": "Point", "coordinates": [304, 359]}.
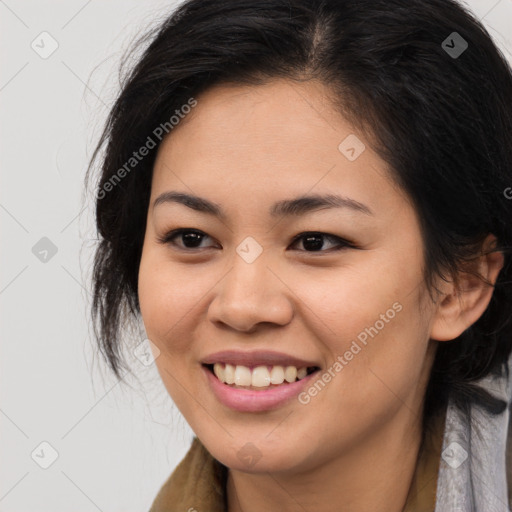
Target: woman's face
{"type": "Point", "coordinates": [347, 299]}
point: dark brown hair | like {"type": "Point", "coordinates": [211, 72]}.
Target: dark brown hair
{"type": "Point", "coordinates": [443, 123]}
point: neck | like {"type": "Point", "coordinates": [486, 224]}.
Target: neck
{"type": "Point", "coordinates": [373, 476]}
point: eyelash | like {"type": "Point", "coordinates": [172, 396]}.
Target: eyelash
{"type": "Point", "coordinates": [343, 243]}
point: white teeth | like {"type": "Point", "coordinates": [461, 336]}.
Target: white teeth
{"type": "Point", "coordinates": [302, 373]}
{"type": "Point", "coordinates": [229, 374]}
{"type": "Point", "coordinates": [243, 376]}
{"type": "Point", "coordinates": [219, 371]}
{"type": "Point", "coordinates": [277, 375]}
{"type": "Point", "coordinates": [260, 376]}
{"type": "Point", "coordinates": [290, 374]}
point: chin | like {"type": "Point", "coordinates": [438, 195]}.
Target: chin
{"type": "Point", "coordinates": [257, 456]}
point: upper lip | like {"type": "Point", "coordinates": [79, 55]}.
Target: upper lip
{"type": "Point", "coordinates": [256, 358]}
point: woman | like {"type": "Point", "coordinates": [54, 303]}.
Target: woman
{"type": "Point", "coordinates": [306, 204]}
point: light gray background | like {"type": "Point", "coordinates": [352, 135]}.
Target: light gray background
{"type": "Point", "coordinates": [115, 445]}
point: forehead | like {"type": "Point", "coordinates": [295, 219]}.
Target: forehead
{"type": "Point", "coordinates": [266, 141]}
{"type": "Point", "coordinates": [280, 115]}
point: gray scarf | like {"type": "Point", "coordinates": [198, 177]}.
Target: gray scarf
{"type": "Point", "coordinates": [474, 463]}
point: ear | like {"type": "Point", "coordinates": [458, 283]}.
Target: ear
{"type": "Point", "coordinates": [461, 305]}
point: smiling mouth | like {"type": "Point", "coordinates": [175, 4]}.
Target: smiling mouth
{"type": "Point", "coordinates": [259, 377]}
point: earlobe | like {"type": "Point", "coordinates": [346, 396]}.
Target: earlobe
{"type": "Point", "coordinates": [461, 305]}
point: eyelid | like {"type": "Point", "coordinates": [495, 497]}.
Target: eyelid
{"type": "Point", "coordinates": [343, 243]}
{"type": "Point", "coordinates": [173, 233]}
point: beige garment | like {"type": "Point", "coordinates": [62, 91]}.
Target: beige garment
{"type": "Point", "coordinates": [198, 482]}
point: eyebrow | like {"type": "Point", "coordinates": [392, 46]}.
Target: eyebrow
{"type": "Point", "coordinates": [289, 207]}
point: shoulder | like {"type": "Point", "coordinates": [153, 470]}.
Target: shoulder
{"type": "Point", "coordinates": [198, 482]}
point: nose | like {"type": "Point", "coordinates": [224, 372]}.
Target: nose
{"type": "Point", "coordinates": [251, 294]}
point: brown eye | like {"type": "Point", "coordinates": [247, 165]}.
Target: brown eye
{"type": "Point", "coordinates": [315, 241]}
{"type": "Point", "coordinates": [190, 238]}
{"type": "Point", "coordinates": [311, 241]}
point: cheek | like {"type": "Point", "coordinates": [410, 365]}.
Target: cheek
{"type": "Point", "coordinates": [344, 302]}
{"type": "Point", "coordinates": [168, 296]}
{"type": "Point", "coordinates": [372, 319]}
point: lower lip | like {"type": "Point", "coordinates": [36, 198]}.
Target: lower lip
{"type": "Point", "coordinates": [246, 400]}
